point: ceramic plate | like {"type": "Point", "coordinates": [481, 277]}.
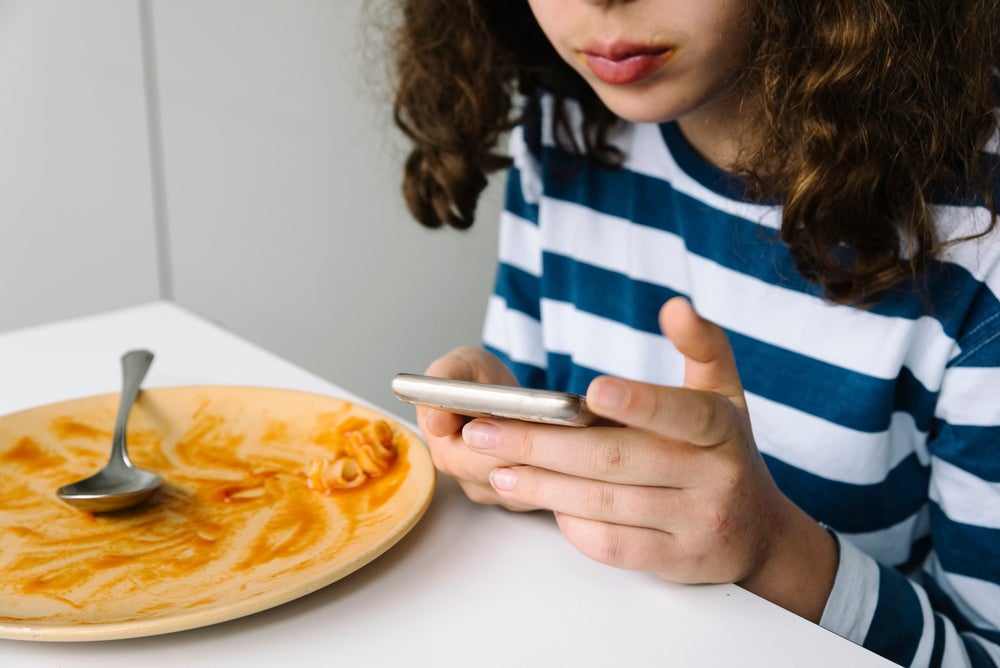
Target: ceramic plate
{"type": "Point", "coordinates": [270, 494]}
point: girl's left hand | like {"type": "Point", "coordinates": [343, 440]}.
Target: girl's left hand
{"type": "Point", "coordinates": [681, 490]}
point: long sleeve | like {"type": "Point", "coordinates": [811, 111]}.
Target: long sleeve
{"type": "Point", "coordinates": [948, 613]}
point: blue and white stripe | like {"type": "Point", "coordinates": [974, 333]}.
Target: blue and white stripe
{"type": "Point", "coordinates": [883, 423]}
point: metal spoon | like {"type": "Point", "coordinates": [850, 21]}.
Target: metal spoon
{"type": "Point", "coordinates": [119, 484]}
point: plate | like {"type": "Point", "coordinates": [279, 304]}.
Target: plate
{"type": "Point", "coordinates": [269, 495]}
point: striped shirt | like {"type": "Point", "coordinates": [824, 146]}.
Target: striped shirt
{"type": "Point", "coordinates": [883, 424]}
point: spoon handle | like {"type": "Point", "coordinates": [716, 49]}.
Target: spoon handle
{"type": "Point", "coordinates": [135, 364]}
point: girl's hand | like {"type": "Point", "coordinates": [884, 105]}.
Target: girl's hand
{"type": "Point", "coordinates": [680, 491]}
{"type": "Point", "coordinates": [443, 430]}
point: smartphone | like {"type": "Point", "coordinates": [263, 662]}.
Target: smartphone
{"type": "Point", "coordinates": [486, 400]}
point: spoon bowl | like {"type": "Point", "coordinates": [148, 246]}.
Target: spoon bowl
{"type": "Point", "coordinates": [109, 490]}
{"type": "Point", "coordinates": [119, 484]}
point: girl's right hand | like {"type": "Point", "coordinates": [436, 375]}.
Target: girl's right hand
{"type": "Point", "coordinates": [443, 430]}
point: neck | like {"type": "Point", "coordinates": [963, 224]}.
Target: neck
{"type": "Point", "coordinates": [718, 131]}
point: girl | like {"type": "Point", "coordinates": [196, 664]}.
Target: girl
{"type": "Point", "coordinates": [802, 199]}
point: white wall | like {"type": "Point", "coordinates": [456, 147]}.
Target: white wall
{"type": "Point", "coordinates": [282, 181]}
{"type": "Point", "coordinates": [76, 222]}
{"type": "Point", "coordinates": [280, 184]}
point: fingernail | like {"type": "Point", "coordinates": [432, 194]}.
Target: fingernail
{"type": "Point", "coordinates": [503, 480]}
{"type": "Point", "coordinates": [479, 434]}
{"type": "Point", "coordinates": [610, 394]}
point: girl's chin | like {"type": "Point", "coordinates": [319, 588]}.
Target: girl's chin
{"type": "Point", "coordinates": [663, 102]}
{"type": "Point", "coordinates": [639, 108]}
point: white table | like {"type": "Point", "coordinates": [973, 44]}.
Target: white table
{"type": "Point", "coordinates": [469, 586]}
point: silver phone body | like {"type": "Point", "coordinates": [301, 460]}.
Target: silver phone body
{"type": "Point", "coordinates": [486, 400]}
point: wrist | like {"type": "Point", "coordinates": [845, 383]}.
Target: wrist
{"type": "Point", "coordinates": [800, 567]}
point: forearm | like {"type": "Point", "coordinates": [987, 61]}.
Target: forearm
{"type": "Point", "coordinates": [800, 568]}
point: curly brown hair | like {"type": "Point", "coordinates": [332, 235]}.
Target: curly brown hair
{"type": "Point", "coordinates": [867, 107]}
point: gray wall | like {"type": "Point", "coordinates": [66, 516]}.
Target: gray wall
{"type": "Point", "coordinates": [238, 157]}
{"type": "Point", "coordinates": [76, 217]}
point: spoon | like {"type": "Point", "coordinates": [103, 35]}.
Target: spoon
{"type": "Point", "coordinates": [119, 484]}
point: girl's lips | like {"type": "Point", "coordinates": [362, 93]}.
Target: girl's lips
{"type": "Point", "coordinates": [621, 65]}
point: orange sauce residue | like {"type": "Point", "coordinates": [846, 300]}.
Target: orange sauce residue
{"type": "Point", "coordinates": [237, 502]}
{"type": "Point", "coordinates": [27, 454]}
{"type": "Point", "coordinates": [67, 427]}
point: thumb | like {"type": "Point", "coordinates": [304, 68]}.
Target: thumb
{"type": "Point", "coordinates": [709, 363]}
